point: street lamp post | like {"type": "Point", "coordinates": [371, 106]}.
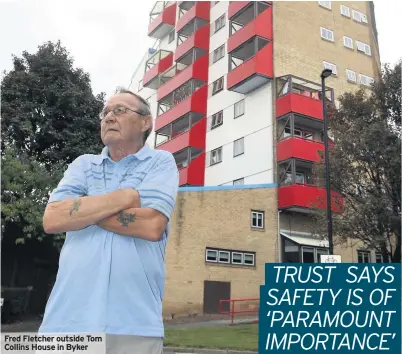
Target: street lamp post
{"type": "Point", "coordinates": [326, 73]}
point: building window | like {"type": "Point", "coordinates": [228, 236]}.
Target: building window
{"type": "Point", "coordinates": [351, 76]}
{"type": "Point", "coordinates": [363, 47]}
{"type": "Point", "coordinates": [171, 37]}
{"type": "Point", "coordinates": [359, 17]}
{"type": "Point", "coordinates": [249, 259]}
{"type": "Point", "coordinates": [330, 66]}
{"type": "Point", "coordinates": [211, 255]}
{"type": "Point", "coordinates": [219, 23]}
{"type": "Point", "coordinates": [345, 11]}
{"type": "Point", "coordinates": [217, 86]}
{"type": "Point", "coordinates": [239, 108]}
{"type": "Point", "coordinates": [326, 4]}
{"type": "Point", "coordinates": [363, 257]}
{"type": "Point", "coordinates": [227, 256]}
{"type": "Point", "coordinates": [217, 120]}
{"type": "Point", "coordinates": [238, 182]}
{"type": "Point", "coordinates": [219, 53]}
{"type": "Point", "coordinates": [366, 80]}
{"type": "Point", "coordinates": [238, 147]}
{"type": "Point", "coordinates": [382, 258]}
{"type": "Point", "coordinates": [327, 34]}
{"type": "Point", "coordinates": [348, 42]}
{"type": "Point", "coordinates": [140, 85]}
{"type": "Point", "coordinates": [216, 156]}
{"type": "Point", "coordinates": [257, 219]}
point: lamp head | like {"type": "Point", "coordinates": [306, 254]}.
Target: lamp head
{"type": "Point", "coordinates": [326, 73]}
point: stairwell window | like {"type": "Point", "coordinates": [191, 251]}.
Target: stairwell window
{"type": "Point", "coordinates": [239, 108]}
{"type": "Point", "coordinates": [219, 23]}
{"type": "Point", "coordinates": [327, 34]}
{"type": "Point", "coordinates": [330, 66]}
{"type": "Point", "coordinates": [363, 47]}
{"type": "Point", "coordinates": [326, 4]}
{"type": "Point", "coordinates": [217, 86]}
{"type": "Point", "coordinates": [217, 120]}
{"type": "Point", "coordinates": [257, 219]}
{"type": "Point", "coordinates": [348, 42]}
{"type": "Point", "coordinates": [216, 156]}
{"type": "Point", "coordinates": [219, 53]}
{"type": "Point", "coordinates": [238, 147]}
{"type": "Point", "coordinates": [345, 11]}
{"type": "Point", "coordinates": [351, 76]}
{"type": "Point", "coordinates": [366, 80]}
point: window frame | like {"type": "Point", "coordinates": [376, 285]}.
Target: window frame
{"type": "Point", "coordinates": [211, 250]}
{"type": "Point", "coordinates": [328, 30]}
{"type": "Point", "coordinates": [214, 92]}
{"type": "Point", "coordinates": [347, 76]}
{"type": "Point", "coordinates": [324, 4]}
{"type": "Point", "coordinates": [365, 76]}
{"type": "Point", "coordinates": [217, 114]}
{"type": "Point", "coordinates": [214, 60]}
{"type": "Point", "coordinates": [351, 41]}
{"type": "Point", "coordinates": [331, 66]}
{"type": "Point", "coordinates": [362, 17]}
{"type": "Point", "coordinates": [234, 147]}
{"type": "Point", "coordinates": [223, 18]}
{"type": "Point", "coordinates": [365, 46]}
{"type": "Point", "coordinates": [363, 252]}
{"type": "Point", "coordinates": [244, 259]}
{"type": "Point", "coordinates": [256, 212]}
{"type": "Point", "coordinates": [242, 103]}
{"type": "Point", "coordinates": [231, 253]}
{"type": "Point", "coordinates": [220, 155]}
{"type": "Point", "coordinates": [348, 11]}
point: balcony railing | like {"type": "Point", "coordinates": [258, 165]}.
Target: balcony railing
{"type": "Point", "coordinates": [197, 44]}
{"type": "Point", "coordinates": [184, 6]}
{"type": "Point", "coordinates": [189, 29]}
{"type": "Point", "coordinates": [293, 84]}
{"type": "Point", "coordinates": [179, 95]}
{"type": "Point", "coordinates": [155, 58]}
{"type": "Point", "coordinates": [247, 14]}
{"type": "Point", "coordinates": [171, 73]}
{"type": "Point", "coordinates": [294, 171]}
{"type": "Point", "coordinates": [246, 51]}
{"type": "Point", "coordinates": [162, 19]}
{"type": "Point", "coordinates": [176, 128]}
{"type": "Point", "coordinates": [157, 63]}
{"type": "Point", "coordinates": [191, 165]}
{"type": "Point", "coordinates": [294, 125]}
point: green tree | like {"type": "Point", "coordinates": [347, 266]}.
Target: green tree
{"type": "Point", "coordinates": [365, 166]}
{"type": "Point", "coordinates": [48, 109]}
{"type": "Point", "coordinates": [49, 117]}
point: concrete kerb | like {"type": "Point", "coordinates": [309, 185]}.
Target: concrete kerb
{"type": "Point", "coordinates": [173, 350]}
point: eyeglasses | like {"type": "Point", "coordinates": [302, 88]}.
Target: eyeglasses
{"type": "Point", "coordinates": [117, 111]}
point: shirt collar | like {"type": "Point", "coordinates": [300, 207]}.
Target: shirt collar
{"type": "Point", "coordinates": [142, 154]}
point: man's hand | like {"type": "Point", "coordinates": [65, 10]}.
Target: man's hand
{"type": "Point", "coordinates": [78, 213]}
{"type": "Point", "coordinates": [145, 223]}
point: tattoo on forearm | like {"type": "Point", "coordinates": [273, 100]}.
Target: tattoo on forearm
{"type": "Point", "coordinates": [125, 218]}
{"type": "Point", "coordinates": [75, 206]}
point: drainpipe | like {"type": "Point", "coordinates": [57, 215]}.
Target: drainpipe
{"type": "Point", "coordinates": [278, 242]}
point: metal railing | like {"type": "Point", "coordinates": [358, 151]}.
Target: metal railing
{"type": "Point", "coordinates": [242, 308]}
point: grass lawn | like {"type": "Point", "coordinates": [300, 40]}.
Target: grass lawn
{"type": "Point", "coordinates": [240, 337]}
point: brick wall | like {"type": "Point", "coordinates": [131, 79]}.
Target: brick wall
{"type": "Point", "coordinates": [221, 219]}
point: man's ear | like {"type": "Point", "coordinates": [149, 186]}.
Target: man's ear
{"type": "Point", "coordinates": [147, 123]}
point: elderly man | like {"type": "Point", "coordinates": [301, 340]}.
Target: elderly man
{"type": "Point", "coordinates": [115, 208]}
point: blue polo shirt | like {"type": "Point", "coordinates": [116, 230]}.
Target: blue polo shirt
{"type": "Point", "coordinates": [106, 282]}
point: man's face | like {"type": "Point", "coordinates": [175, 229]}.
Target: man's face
{"type": "Point", "coordinates": [127, 126]}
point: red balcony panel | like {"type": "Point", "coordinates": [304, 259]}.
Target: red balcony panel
{"type": "Point", "coordinates": [201, 9]}
{"type": "Point", "coordinates": [235, 7]}
{"type": "Point", "coordinates": [296, 103]}
{"type": "Point", "coordinates": [200, 39]}
{"type": "Point", "coordinates": [164, 23]}
{"type": "Point", "coordinates": [198, 70]}
{"type": "Point", "coordinates": [261, 26]}
{"type": "Point", "coordinates": [299, 148]}
{"type": "Point", "coordinates": [253, 73]}
{"type": "Point", "coordinates": [154, 72]}
{"type": "Point", "coordinates": [306, 196]}
{"type": "Point", "coordinates": [195, 137]}
{"type": "Point", "coordinates": [195, 103]}
{"type": "Point", "coordinates": [194, 173]}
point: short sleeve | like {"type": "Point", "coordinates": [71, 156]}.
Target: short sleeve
{"type": "Point", "coordinates": [73, 184]}
{"type": "Point", "coordinates": [159, 188]}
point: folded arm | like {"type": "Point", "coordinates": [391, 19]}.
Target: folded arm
{"type": "Point", "coordinates": [80, 212]}
{"type": "Point", "coordinates": [145, 223]}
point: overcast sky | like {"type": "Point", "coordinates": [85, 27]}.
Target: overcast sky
{"type": "Point", "coordinates": [108, 38]}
